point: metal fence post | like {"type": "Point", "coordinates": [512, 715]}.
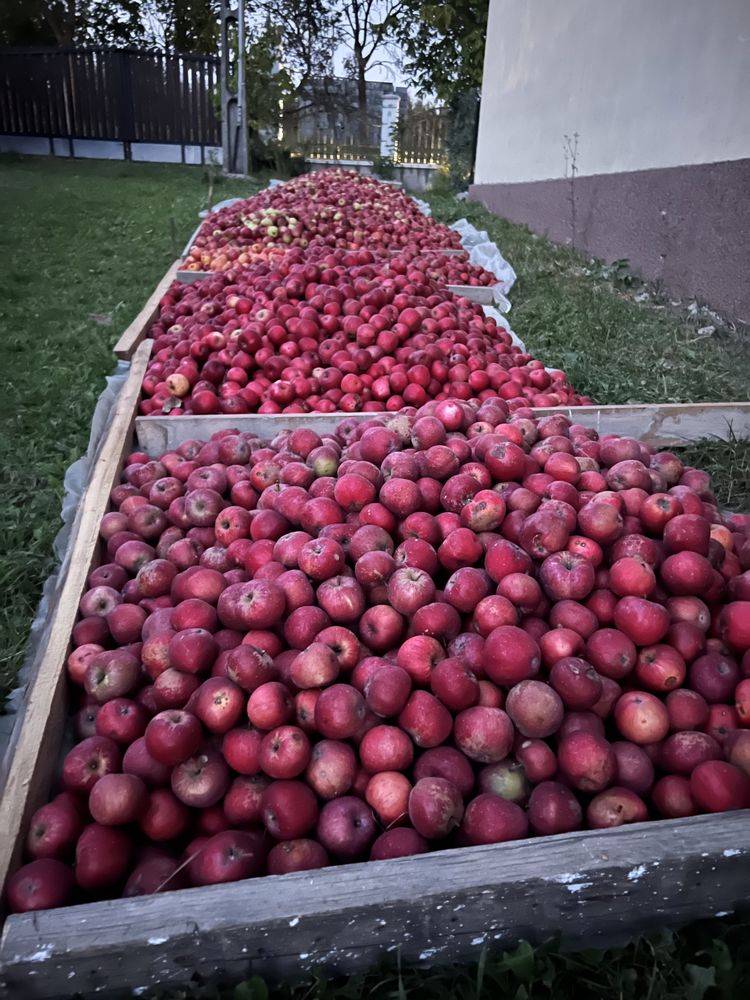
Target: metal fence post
{"type": "Point", "coordinates": [233, 105]}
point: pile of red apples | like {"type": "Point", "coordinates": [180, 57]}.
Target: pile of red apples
{"type": "Point", "coordinates": [329, 208]}
{"type": "Point", "coordinates": [343, 332]}
{"type": "Point", "coordinates": [451, 270]}
{"type": "Point", "coordinates": [460, 627]}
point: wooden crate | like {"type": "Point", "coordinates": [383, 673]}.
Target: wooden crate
{"type": "Point", "coordinates": [662, 425]}
{"type": "Point", "coordinates": [593, 887]}
{"type": "Point", "coordinates": [136, 332]}
{"type": "Point", "coordinates": [138, 329]}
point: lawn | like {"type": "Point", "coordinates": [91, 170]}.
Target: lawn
{"type": "Point", "coordinates": [84, 243]}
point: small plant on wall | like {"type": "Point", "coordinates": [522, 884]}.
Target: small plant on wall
{"type": "Point", "coordinates": [570, 152]}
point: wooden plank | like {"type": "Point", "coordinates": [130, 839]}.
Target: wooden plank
{"type": "Point", "coordinates": [38, 733]}
{"type": "Point", "coordinates": [593, 887]}
{"type": "Point", "coordinates": [156, 435]}
{"type": "Point", "coordinates": [483, 294]}
{"type": "Point", "coordinates": [190, 277]}
{"type": "Point", "coordinates": [138, 329]}
{"type": "Point", "coordinates": [663, 425]}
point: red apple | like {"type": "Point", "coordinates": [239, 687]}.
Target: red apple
{"type": "Point", "coordinates": [641, 717]}
{"type": "Point", "coordinates": [346, 827]}
{"type": "Point", "coordinates": [400, 842]}
{"type": "Point", "coordinates": [227, 857]}
{"type": "Point", "coordinates": [173, 736]}
{"type": "Point", "coordinates": [448, 763]}
{"type": "Point", "coordinates": [43, 884]}
{"type": "Point", "coordinates": [587, 761]}
{"type": "Point", "coordinates": [296, 856]}
{"type": "Point", "coordinates": [118, 799]}
{"type": "Point", "coordinates": [427, 721]}
{"type": "Point", "coordinates": [510, 655]}
{"type": "Point", "coordinates": [717, 786]}
{"type": "Point", "coordinates": [615, 807]}
{"type": "Point", "coordinates": [483, 734]}
{"type": "Point", "coordinates": [535, 709]}
{"type": "Point", "coordinates": [331, 769]}
{"type": "Point", "coordinates": [102, 857]}
{"type": "Point", "coordinates": [490, 819]}
{"type": "Point", "coordinates": [553, 808]}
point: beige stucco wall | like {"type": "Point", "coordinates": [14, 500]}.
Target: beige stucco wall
{"type": "Point", "coordinates": [645, 83]}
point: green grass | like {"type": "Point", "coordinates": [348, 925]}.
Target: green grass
{"type": "Point", "coordinates": [84, 243]}
{"type": "Point", "coordinates": [708, 961]}
{"type": "Point", "coordinates": [728, 463]}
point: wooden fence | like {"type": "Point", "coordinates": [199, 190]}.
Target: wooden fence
{"type": "Point", "coordinates": [422, 136]}
{"type": "Point", "coordinates": [122, 95]}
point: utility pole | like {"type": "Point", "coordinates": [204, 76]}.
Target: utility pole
{"type": "Point", "coordinates": [233, 104]}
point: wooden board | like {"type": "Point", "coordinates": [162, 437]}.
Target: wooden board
{"type": "Point", "coordinates": [37, 736]}
{"type": "Point", "coordinates": [190, 277]}
{"type": "Point", "coordinates": [136, 332]}
{"type": "Point", "coordinates": [593, 888]}
{"type": "Point", "coordinates": [483, 294]}
{"type": "Point", "coordinates": [662, 425]}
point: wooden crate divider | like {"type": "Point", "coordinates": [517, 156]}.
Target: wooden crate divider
{"type": "Point", "coordinates": [662, 425]}
{"type": "Point", "coordinates": [482, 294]}
{"type": "Point", "coordinates": [136, 332]}
{"type": "Point", "coordinates": [190, 277]}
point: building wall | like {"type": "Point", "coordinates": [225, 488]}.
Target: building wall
{"type": "Point", "coordinates": [658, 92]}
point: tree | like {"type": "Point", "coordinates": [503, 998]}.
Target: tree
{"type": "Point", "coordinates": [182, 25]}
{"type": "Point", "coordinates": [70, 22]}
{"type": "Point", "coordinates": [307, 35]}
{"type": "Point", "coordinates": [368, 27]}
{"type": "Point", "coordinates": [443, 43]}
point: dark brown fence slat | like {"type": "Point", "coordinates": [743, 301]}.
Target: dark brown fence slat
{"type": "Point", "coordinates": [114, 94]}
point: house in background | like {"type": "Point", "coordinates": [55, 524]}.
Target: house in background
{"type": "Point", "coordinates": [327, 111]}
{"type": "Point", "coordinates": [656, 95]}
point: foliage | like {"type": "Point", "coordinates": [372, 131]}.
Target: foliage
{"type": "Point", "coordinates": [444, 44]}
{"type": "Point", "coordinates": [462, 132]}
{"type": "Point", "coordinates": [70, 22]}
{"type": "Point", "coordinates": [308, 35]}
{"type": "Point", "coordinates": [384, 166]}
{"type": "Point", "coordinates": [367, 26]}
{"type": "Point", "coordinates": [269, 84]}
{"type": "Point", "coordinates": [707, 961]}
{"type": "Point", "coordinates": [182, 25]}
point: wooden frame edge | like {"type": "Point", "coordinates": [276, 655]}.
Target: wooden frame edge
{"type": "Point", "coordinates": [38, 729]}
{"type": "Point", "coordinates": [592, 887]}
{"type": "Point", "coordinates": [659, 424]}
{"type": "Point", "coordinates": [136, 331]}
